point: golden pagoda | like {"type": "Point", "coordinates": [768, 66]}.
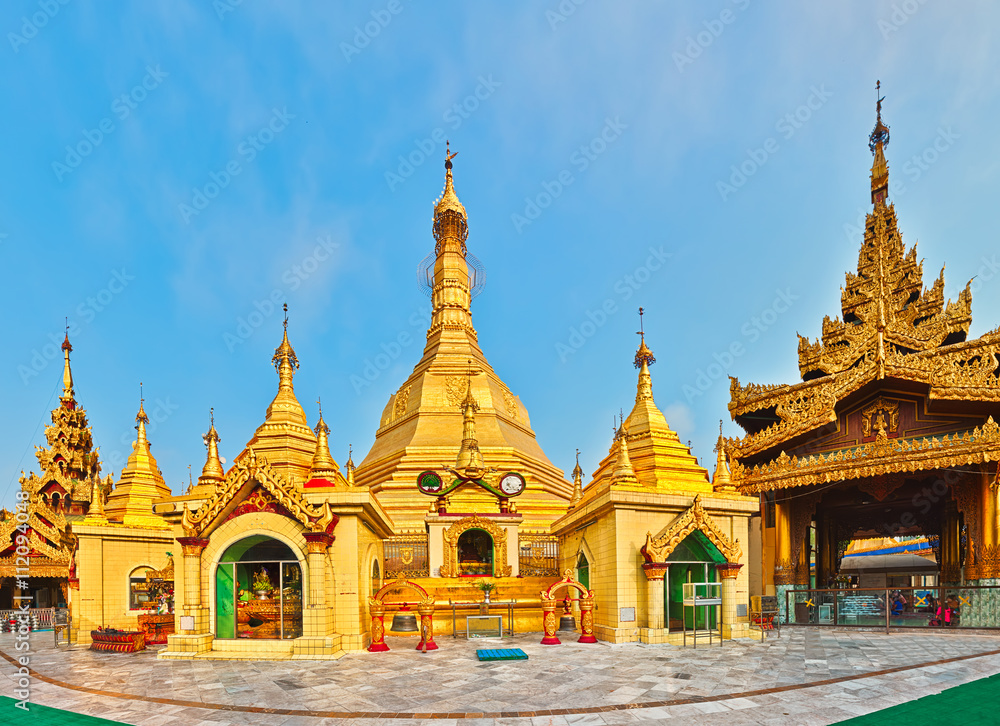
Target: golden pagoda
{"type": "Point", "coordinates": [140, 484]}
{"type": "Point", "coordinates": [648, 499]}
{"type": "Point", "coordinates": [893, 399]}
{"type": "Point", "coordinates": [421, 427]}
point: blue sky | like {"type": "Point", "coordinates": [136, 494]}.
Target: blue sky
{"type": "Point", "coordinates": [172, 168]}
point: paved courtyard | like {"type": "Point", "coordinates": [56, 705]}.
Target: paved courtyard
{"type": "Point", "coordinates": [807, 676]}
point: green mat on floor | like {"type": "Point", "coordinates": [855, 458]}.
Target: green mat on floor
{"type": "Point", "coordinates": [37, 715]}
{"type": "Point", "coordinates": [970, 704]}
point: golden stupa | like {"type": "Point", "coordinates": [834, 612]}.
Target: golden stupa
{"type": "Point", "coordinates": [421, 427]}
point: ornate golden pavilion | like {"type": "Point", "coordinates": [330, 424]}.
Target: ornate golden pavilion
{"type": "Point", "coordinates": [892, 430]}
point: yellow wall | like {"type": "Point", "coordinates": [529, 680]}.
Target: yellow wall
{"type": "Point", "coordinates": [106, 557]}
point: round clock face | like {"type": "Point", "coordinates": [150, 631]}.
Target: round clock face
{"type": "Point", "coordinates": [429, 482]}
{"type": "Point", "coordinates": [512, 484]}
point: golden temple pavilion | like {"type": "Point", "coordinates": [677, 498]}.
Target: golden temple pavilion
{"type": "Point", "coordinates": [892, 430]}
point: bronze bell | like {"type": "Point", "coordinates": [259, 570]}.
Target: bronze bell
{"type": "Point", "coordinates": [567, 622]}
{"type": "Point", "coordinates": [404, 621]}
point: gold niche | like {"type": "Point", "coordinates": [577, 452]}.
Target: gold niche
{"type": "Point", "coordinates": [450, 566]}
{"type": "Point", "coordinates": [882, 416]}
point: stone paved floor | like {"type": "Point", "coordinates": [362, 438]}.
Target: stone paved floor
{"type": "Point", "coordinates": [702, 685]}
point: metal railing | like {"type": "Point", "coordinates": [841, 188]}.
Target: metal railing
{"type": "Point", "coordinates": [893, 607]}
{"type": "Point", "coordinates": [38, 619]}
{"type": "Point", "coordinates": [406, 556]}
{"type": "Point", "coordinates": [538, 555]}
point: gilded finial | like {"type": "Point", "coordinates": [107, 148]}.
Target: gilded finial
{"type": "Point", "coordinates": [67, 397]}
{"type": "Point", "coordinates": [141, 419]}
{"type": "Point", "coordinates": [323, 465]}
{"type": "Point", "coordinates": [350, 465]}
{"type": "Point", "coordinates": [643, 354]}
{"type": "Point", "coordinates": [880, 135]}
{"type": "Point", "coordinates": [877, 141]}
{"type": "Point", "coordinates": [721, 481]}
{"type": "Point", "coordinates": [577, 483]}
{"type": "Point", "coordinates": [285, 361]}
{"type": "Point", "coordinates": [449, 199]}
{"type": "Point", "coordinates": [212, 473]}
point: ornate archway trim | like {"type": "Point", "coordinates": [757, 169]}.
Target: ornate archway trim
{"type": "Point", "coordinates": [658, 548]}
{"type": "Point", "coordinates": [499, 534]}
{"type": "Point", "coordinates": [248, 473]}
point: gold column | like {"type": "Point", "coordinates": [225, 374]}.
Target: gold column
{"type": "Point", "coordinates": [316, 619]}
{"type": "Point", "coordinates": [783, 543]}
{"type": "Point", "coordinates": [728, 574]}
{"type": "Point", "coordinates": [193, 603]}
{"type": "Point", "coordinates": [988, 551]}
{"type": "Point", "coordinates": [654, 594]}
{"type": "Point", "coordinates": [949, 544]}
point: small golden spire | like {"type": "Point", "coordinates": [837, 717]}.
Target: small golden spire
{"type": "Point", "coordinates": [141, 419]}
{"type": "Point", "coordinates": [623, 472]}
{"type": "Point", "coordinates": [212, 473]}
{"type": "Point", "coordinates": [95, 511]}
{"type": "Point", "coordinates": [643, 360]}
{"type": "Point", "coordinates": [323, 465]}
{"type": "Point", "coordinates": [577, 483]}
{"type": "Point", "coordinates": [470, 459]}
{"type": "Point", "coordinates": [449, 199]}
{"type": "Point", "coordinates": [350, 465]}
{"type": "Point", "coordinates": [877, 141]}
{"type": "Point", "coordinates": [284, 360]}
{"type": "Point", "coordinates": [68, 396]}
{"type": "Point", "coordinates": [721, 481]}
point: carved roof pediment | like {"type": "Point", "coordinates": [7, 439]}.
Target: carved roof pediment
{"type": "Point", "coordinates": [694, 518]}
{"type": "Point", "coordinates": [252, 475]}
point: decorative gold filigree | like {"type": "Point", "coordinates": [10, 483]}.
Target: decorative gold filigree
{"type": "Point", "coordinates": [873, 417]}
{"type": "Point", "coordinates": [399, 406]}
{"type": "Point", "coordinates": [455, 389]}
{"type": "Point", "coordinates": [658, 548]}
{"type": "Point", "coordinates": [876, 458]}
{"type": "Point", "coordinates": [510, 402]}
{"type": "Point", "coordinates": [254, 468]}
{"type": "Point", "coordinates": [450, 566]}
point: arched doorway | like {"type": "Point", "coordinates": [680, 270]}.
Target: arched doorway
{"type": "Point", "coordinates": [258, 590]}
{"type": "Point", "coordinates": [693, 560]}
{"type": "Point", "coordinates": [583, 570]}
{"type": "Point", "coordinates": [475, 554]}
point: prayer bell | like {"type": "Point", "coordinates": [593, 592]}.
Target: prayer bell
{"type": "Point", "coordinates": [404, 621]}
{"type": "Point", "coordinates": [567, 622]}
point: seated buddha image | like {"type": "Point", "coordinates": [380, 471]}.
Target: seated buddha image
{"type": "Point", "coordinates": [475, 553]}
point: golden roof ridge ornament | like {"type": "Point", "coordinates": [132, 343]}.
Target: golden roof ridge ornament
{"type": "Point", "coordinates": [877, 142]}
{"type": "Point", "coordinates": [68, 397]}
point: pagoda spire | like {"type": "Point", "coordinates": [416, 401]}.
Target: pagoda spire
{"type": "Point", "coordinates": [721, 481]}
{"type": "Point", "coordinates": [577, 483]}
{"type": "Point", "coordinates": [141, 419]}
{"type": "Point", "coordinates": [285, 407]}
{"type": "Point", "coordinates": [68, 397]}
{"type": "Point", "coordinates": [451, 297]}
{"type": "Point", "coordinates": [323, 465]}
{"type": "Point", "coordinates": [877, 142]}
{"type": "Point", "coordinates": [623, 472]}
{"type": "Point", "coordinates": [643, 360]}
{"type": "Point", "coordinates": [212, 473]}
{"type": "Point", "coordinates": [95, 511]}
{"type": "Point", "coordinates": [470, 459]}
{"type": "Point", "coordinates": [349, 466]}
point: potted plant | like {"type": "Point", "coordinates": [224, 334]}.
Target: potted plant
{"type": "Point", "coordinates": [487, 588]}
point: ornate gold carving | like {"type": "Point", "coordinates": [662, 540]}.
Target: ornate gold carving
{"type": "Point", "coordinates": [882, 416]}
{"type": "Point", "coordinates": [257, 469]}
{"type": "Point", "coordinates": [454, 389]}
{"type": "Point", "coordinates": [988, 563]}
{"type": "Point", "coordinates": [451, 535]}
{"type": "Point", "coordinates": [786, 572]}
{"type": "Point", "coordinates": [658, 548]}
{"type": "Point", "coordinates": [510, 402]}
{"type": "Point", "coordinates": [882, 486]}
{"type": "Point", "coordinates": [876, 458]}
{"type": "Point", "coordinates": [399, 406]}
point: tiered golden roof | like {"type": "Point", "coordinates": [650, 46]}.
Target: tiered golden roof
{"type": "Point", "coordinates": [140, 484]}
{"type": "Point", "coordinates": [285, 439]}
{"type": "Point", "coordinates": [891, 328]}
{"type": "Point", "coordinates": [422, 425]}
{"type": "Point", "coordinates": [70, 480]}
{"type": "Point", "coordinates": [646, 454]}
